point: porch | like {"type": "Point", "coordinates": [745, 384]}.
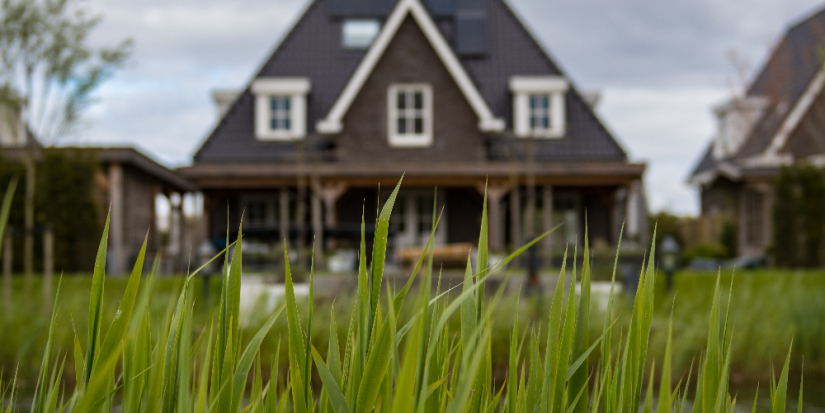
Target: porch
{"type": "Point", "coordinates": [330, 214]}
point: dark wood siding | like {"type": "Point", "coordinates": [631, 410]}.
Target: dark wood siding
{"type": "Point", "coordinates": [720, 198]}
{"type": "Point", "coordinates": [410, 59]}
{"type": "Point", "coordinates": [139, 191]}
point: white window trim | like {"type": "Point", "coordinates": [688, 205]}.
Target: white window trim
{"type": "Point", "coordinates": [524, 86]}
{"type": "Point", "coordinates": [296, 88]}
{"type": "Point", "coordinates": [409, 140]}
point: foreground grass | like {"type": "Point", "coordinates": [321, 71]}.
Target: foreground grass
{"type": "Point", "coordinates": [434, 354]}
{"type": "Point", "coordinates": [770, 308]}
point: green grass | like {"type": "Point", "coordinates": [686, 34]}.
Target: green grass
{"type": "Point", "coordinates": [156, 348]}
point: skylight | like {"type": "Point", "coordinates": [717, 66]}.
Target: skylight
{"type": "Point", "coordinates": [359, 33]}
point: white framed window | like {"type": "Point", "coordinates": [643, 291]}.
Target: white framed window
{"type": "Point", "coordinates": [410, 110]}
{"type": "Point", "coordinates": [539, 106]}
{"type": "Point", "coordinates": [359, 33]}
{"type": "Point", "coordinates": [280, 115]}
{"type": "Point", "coordinates": [280, 108]}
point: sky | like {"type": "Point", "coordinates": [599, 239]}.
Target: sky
{"type": "Point", "coordinates": [661, 67]}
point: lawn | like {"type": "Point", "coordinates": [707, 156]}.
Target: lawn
{"type": "Point", "coordinates": [770, 307]}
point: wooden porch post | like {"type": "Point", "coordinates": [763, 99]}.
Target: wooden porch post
{"type": "Point", "coordinates": [515, 218]}
{"type": "Point", "coordinates": [283, 219]}
{"type": "Point", "coordinates": [530, 211]}
{"type": "Point", "coordinates": [176, 232]}
{"type": "Point", "coordinates": [318, 230]}
{"type": "Point", "coordinates": [619, 196]}
{"type": "Point", "coordinates": [329, 194]}
{"type": "Point", "coordinates": [495, 193]}
{"type": "Point", "coordinates": [634, 224]}
{"type": "Point", "coordinates": [547, 220]}
{"type": "Point", "coordinates": [116, 224]}
{"type": "Point", "coordinates": [206, 217]}
{"type": "Point", "coordinates": [300, 220]}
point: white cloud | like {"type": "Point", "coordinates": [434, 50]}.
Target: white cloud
{"type": "Point", "coordinates": [668, 128]}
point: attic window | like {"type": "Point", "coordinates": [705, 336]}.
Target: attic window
{"type": "Point", "coordinates": [410, 115]}
{"type": "Point", "coordinates": [539, 106]}
{"type": "Point", "coordinates": [359, 33]}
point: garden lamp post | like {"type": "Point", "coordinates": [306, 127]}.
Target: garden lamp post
{"type": "Point", "coordinates": [670, 259]}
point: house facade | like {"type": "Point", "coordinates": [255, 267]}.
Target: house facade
{"type": "Point", "coordinates": [778, 121]}
{"type": "Point", "coordinates": [451, 95]}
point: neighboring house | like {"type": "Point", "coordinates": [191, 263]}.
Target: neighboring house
{"type": "Point", "coordinates": [448, 94]}
{"type": "Point", "coordinates": [780, 120]}
{"type": "Point", "coordinates": [126, 186]}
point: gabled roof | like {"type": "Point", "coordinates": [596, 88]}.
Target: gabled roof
{"type": "Point", "coordinates": [312, 49]}
{"type": "Point", "coordinates": [791, 79]}
{"type": "Point", "coordinates": [113, 154]}
{"type": "Point", "coordinates": [487, 121]}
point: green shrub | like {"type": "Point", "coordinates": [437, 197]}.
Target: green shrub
{"type": "Point", "coordinates": [73, 214]}
{"type": "Point", "coordinates": [706, 250]}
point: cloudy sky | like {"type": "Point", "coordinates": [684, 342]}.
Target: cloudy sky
{"type": "Point", "coordinates": [660, 65]}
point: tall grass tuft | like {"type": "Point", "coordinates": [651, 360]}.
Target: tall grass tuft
{"type": "Point", "coordinates": [134, 363]}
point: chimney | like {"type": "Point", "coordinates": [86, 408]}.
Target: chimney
{"type": "Point", "coordinates": [224, 98]}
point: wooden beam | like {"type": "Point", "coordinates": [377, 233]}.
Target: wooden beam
{"type": "Point", "coordinates": [329, 193]}
{"type": "Point", "coordinates": [252, 175]}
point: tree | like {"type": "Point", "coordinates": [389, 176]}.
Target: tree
{"type": "Point", "coordinates": [48, 73]}
{"type": "Point", "coordinates": [785, 220]}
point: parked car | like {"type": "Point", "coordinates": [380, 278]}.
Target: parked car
{"type": "Point", "coordinates": [746, 263]}
{"type": "Point", "coordinates": [705, 264]}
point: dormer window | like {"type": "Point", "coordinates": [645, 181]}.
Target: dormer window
{"type": "Point", "coordinates": [359, 33]}
{"type": "Point", "coordinates": [280, 115]}
{"type": "Point", "coordinates": [540, 112]}
{"type": "Point", "coordinates": [735, 119]}
{"type": "Point", "coordinates": [539, 106]}
{"type": "Point", "coordinates": [280, 108]}
{"type": "Point", "coordinates": [410, 115]}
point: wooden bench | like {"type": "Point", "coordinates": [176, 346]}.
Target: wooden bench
{"type": "Point", "coordinates": [455, 254]}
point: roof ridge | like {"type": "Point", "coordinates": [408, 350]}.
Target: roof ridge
{"type": "Point", "coordinates": [800, 22]}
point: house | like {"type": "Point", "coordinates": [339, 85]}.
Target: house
{"type": "Point", "coordinates": [126, 184]}
{"type": "Point", "coordinates": [778, 121]}
{"type": "Point", "coordinates": [450, 94]}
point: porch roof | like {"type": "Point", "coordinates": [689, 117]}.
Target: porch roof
{"type": "Point", "coordinates": [262, 175]}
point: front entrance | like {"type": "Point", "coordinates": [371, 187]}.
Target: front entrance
{"type": "Point", "coordinates": [412, 219]}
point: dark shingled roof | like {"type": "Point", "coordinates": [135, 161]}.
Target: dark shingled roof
{"type": "Point", "coordinates": [788, 72]}
{"type": "Point", "coordinates": [706, 162]}
{"type": "Point", "coordinates": [313, 49]}
{"type": "Point", "coordinates": [790, 69]}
